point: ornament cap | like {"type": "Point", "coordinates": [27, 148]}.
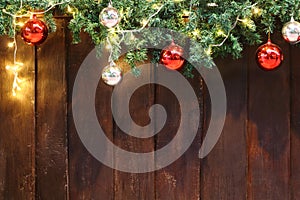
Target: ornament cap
{"type": "Point", "coordinates": [33, 16]}
{"type": "Point", "coordinates": [292, 19]}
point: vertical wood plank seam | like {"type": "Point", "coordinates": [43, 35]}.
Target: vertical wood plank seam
{"type": "Point", "coordinates": [202, 124]}
{"type": "Point", "coordinates": [155, 136]}
{"type": "Point", "coordinates": [290, 121]}
{"type": "Point", "coordinates": [67, 90]}
{"type": "Point", "coordinates": [35, 121]}
{"type": "Point", "coordinates": [248, 184]}
{"type": "Point", "coordinates": [114, 129]}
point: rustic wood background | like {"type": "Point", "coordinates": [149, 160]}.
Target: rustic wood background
{"type": "Point", "coordinates": [42, 157]}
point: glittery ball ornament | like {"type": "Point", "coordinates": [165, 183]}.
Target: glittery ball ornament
{"type": "Point", "coordinates": [171, 56]}
{"type": "Point", "coordinates": [112, 74]}
{"type": "Point", "coordinates": [34, 31]}
{"type": "Point", "coordinates": [109, 17]}
{"type": "Point", "coordinates": [291, 31]}
{"type": "Point", "coordinates": [269, 56]}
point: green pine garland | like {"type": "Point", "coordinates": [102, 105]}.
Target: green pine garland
{"type": "Point", "coordinates": [241, 22]}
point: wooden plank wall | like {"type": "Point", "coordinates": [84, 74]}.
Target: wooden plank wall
{"type": "Point", "coordinates": [42, 157]}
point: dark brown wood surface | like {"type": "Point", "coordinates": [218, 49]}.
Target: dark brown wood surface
{"type": "Point", "coordinates": [223, 171]}
{"type": "Point", "coordinates": [181, 179]}
{"type": "Point", "coordinates": [17, 115]}
{"type": "Point", "coordinates": [88, 178]}
{"type": "Point", "coordinates": [51, 119]}
{"type": "Point", "coordinates": [135, 186]}
{"type": "Point", "coordinates": [42, 156]}
{"type": "Point", "coordinates": [295, 123]}
{"type": "Point", "coordinates": [269, 130]}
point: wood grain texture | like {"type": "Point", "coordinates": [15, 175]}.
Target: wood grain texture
{"type": "Point", "coordinates": [269, 130]}
{"type": "Point", "coordinates": [17, 135]}
{"type": "Point", "coordinates": [181, 179]}
{"type": "Point", "coordinates": [223, 171]}
{"type": "Point", "coordinates": [295, 123]}
{"type": "Point", "coordinates": [88, 178]}
{"type": "Point", "coordinates": [51, 119]}
{"type": "Point", "coordinates": [135, 186]}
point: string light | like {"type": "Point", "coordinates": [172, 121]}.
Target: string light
{"type": "Point", "coordinates": [69, 9]}
{"type": "Point", "coordinates": [186, 13]}
{"type": "Point", "coordinates": [144, 23]}
{"type": "Point", "coordinates": [196, 32]}
{"type": "Point", "coordinates": [208, 51]}
{"type": "Point", "coordinates": [11, 44]}
{"type": "Point", "coordinates": [212, 5]}
{"type": "Point", "coordinates": [20, 24]}
{"type": "Point", "coordinates": [158, 7]}
{"type": "Point", "coordinates": [220, 33]}
{"type": "Point", "coordinates": [247, 22]}
{"type": "Point", "coordinates": [232, 27]}
{"type": "Point", "coordinates": [256, 11]}
{"type": "Point", "coordinates": [15, 68]}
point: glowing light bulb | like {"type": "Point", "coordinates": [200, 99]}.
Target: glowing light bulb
{"type": "Point", "coordinates": [196, 32]}
{"type": "Point", "coordinates": [69, 9]}
{"type": "Point", "coordinates": [144, 22]}
{"type": "Point", "coordinates": [256, 11]}
{"type": "Point", "coordinates": [212, 4]}
{"type": "Point", "coordinates": [108, 46]}
{"type": "Point", "coordinates": [208, 51]}
{"type": "Point", "coordinates": [186, 13]}
{"type": "Point", "coordinates": [11, 44]}
{"type": "Point", "coordinates": [20, 24]}
{"type": "Point", "coordinates": [220, 33]}
{"type": "Point", "coordinates": [156, 6]}
{"type": "Point", "coordinates": [248, 22]}
{"type": "Point", "coordinates": [14, 69]}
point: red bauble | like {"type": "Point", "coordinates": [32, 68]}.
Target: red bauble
{"type": "Point", "coordinates": [171, 56]}
{"type": "Point", "coordinates": [34, 31]}
{"type": "Point", "coordinates": [269, 56]}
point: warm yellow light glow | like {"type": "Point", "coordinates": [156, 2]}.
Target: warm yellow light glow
{"type": "Point", "coordinates": [156, 6]}
{"type": "Point", "coordinates": [20, 24]}
{"type": "Point", "coordinates": [15, 69]}
{"type": "Point", "coordinates": [248, 22]}
{"type": "Point", "coordinates": [256, 11]}
{"type": "Point", "coordinates": [196, 32]}
{"type": "Point", "coordinates": [212, 4]}
{"type": "Point", "coordinates": [108, 46]}
{"type": "Point", "coordinates": [220, 33]}
{"type": "Point", "coordinates": [11, 44]}
{"type": "Point", "coordinates": [144, 22]}
{"type": "Point", "coordinates": [186, 13]}
{"type": "Point", "coordinates": [69, 9]}
{"type": "Point", "coordinates": [208, 51]}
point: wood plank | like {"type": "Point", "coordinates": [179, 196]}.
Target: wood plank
{"type": "Point", "coordinates": [135, 186]}
{"type": "Point", "coordinates": [88, 178]}
{"type": "Point", "coordinates": [269, 129]}
{"type": "Point", "coordinates": [181, 179]}
{"type": "Point", "coordinates": [51, 101]}
{"type": "Point", "coordinates": [223, 171]}
{"type": "Point", "coordinates": [295, 123]}
{"type": "Point", "coordinates": [17, 146]}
